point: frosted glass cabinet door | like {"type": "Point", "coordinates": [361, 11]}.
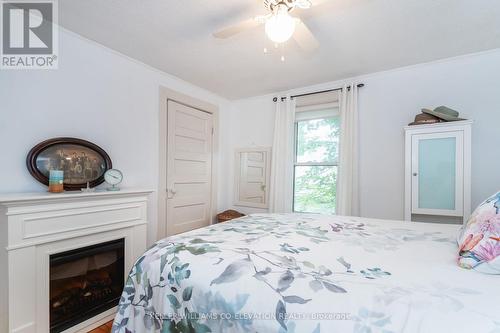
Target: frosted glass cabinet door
{"type": "Point", "coordinates": [437, 173]}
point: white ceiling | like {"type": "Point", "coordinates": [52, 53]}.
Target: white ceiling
{"type": "Point", "coordinates": [357, 37]}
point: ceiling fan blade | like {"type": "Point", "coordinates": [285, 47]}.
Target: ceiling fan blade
{"type": "Point", "coordinates": [236, 29]}
{"type": "Point", "coordinates": [315, 7]}
{"type": "Point", "coordinates": [304, 37]}
{"type": "Point", "coordinates": [303, 4]}
{"type": "Point", "coordinates": [316, 3]}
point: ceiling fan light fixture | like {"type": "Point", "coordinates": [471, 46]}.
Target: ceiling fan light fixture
{"type": "Point", "coordinates": [280, 26]}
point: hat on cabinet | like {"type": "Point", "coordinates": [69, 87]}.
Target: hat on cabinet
{"type": "Point", "coordinates": [444, 113]}
{"type": "Point", "coordinates": [424, 118]}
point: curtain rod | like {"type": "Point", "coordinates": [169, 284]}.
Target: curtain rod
{"type": "Point", "coordinates": [275, 99]}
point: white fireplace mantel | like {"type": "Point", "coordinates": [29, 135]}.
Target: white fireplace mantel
{"type": "Point", "coordinates": [35, 225]}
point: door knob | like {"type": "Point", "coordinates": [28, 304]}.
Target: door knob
{"type": "Point", "coordinates": [171, 192]}
{"type": "Point", "coordinates": [415, 174]}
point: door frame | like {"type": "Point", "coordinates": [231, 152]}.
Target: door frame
{"type": "Point", "coordinates": [171, 95]}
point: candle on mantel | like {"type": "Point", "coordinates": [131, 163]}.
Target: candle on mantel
{"type": "Point", "coordinates": [56, 181]}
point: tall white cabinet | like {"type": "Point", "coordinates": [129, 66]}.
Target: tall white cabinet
{"type": "Point", "coordinates": [438, 172]}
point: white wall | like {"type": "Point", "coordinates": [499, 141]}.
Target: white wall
{"type": "Point", "coordinates": [389, 101]}
{"type": "Point", "coordinates": [107, 98]}
{"type": "Point", "coordinates": [97, 95]}
{"type": "Point", "coordinates": [249, 123]}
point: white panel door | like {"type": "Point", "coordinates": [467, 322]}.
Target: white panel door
{"type": "Point", "coordinates": [189, 168]}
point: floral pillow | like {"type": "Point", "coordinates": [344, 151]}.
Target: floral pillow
{"type": "Point", "coordinates": [480, 238]}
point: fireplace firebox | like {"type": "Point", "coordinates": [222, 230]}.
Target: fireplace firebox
{"type": "Point", "coordinates": [85, 282]}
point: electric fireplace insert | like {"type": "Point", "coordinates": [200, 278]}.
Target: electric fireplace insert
{"type": "Point", "coordinates": [85, 282]}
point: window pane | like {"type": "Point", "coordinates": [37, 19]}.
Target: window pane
{"type": "Point", "coordinates": [318, 140]}
{"type": "Point", "coordinates": [315, 189]}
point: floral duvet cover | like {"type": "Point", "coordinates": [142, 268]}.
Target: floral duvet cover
{"type": "Point", "coordinates": [308, 274]}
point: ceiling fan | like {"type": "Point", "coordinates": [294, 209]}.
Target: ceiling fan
{"type": "Point", "coordinates": [280, 26]}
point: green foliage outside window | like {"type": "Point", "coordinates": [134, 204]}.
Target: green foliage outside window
{"type": "Point", "coordinates": [316, 167]}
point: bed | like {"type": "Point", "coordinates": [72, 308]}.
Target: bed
{"type": "Point", "coordinates": [308, 273]}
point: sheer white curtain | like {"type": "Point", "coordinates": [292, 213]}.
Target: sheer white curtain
{"type": "Point", "coordinates": [281, 184]}
{"type": "Point", "coordinates": [348, 174]}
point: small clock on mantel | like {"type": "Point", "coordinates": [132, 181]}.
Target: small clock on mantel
{"type": "Point", "coordinates": [113, 177]}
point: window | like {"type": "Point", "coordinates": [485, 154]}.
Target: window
{"type": "Point", "coordinates": [316, 160]}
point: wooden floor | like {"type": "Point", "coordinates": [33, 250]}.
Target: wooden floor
{"type": "Point", "coordinates": [106, 328]}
